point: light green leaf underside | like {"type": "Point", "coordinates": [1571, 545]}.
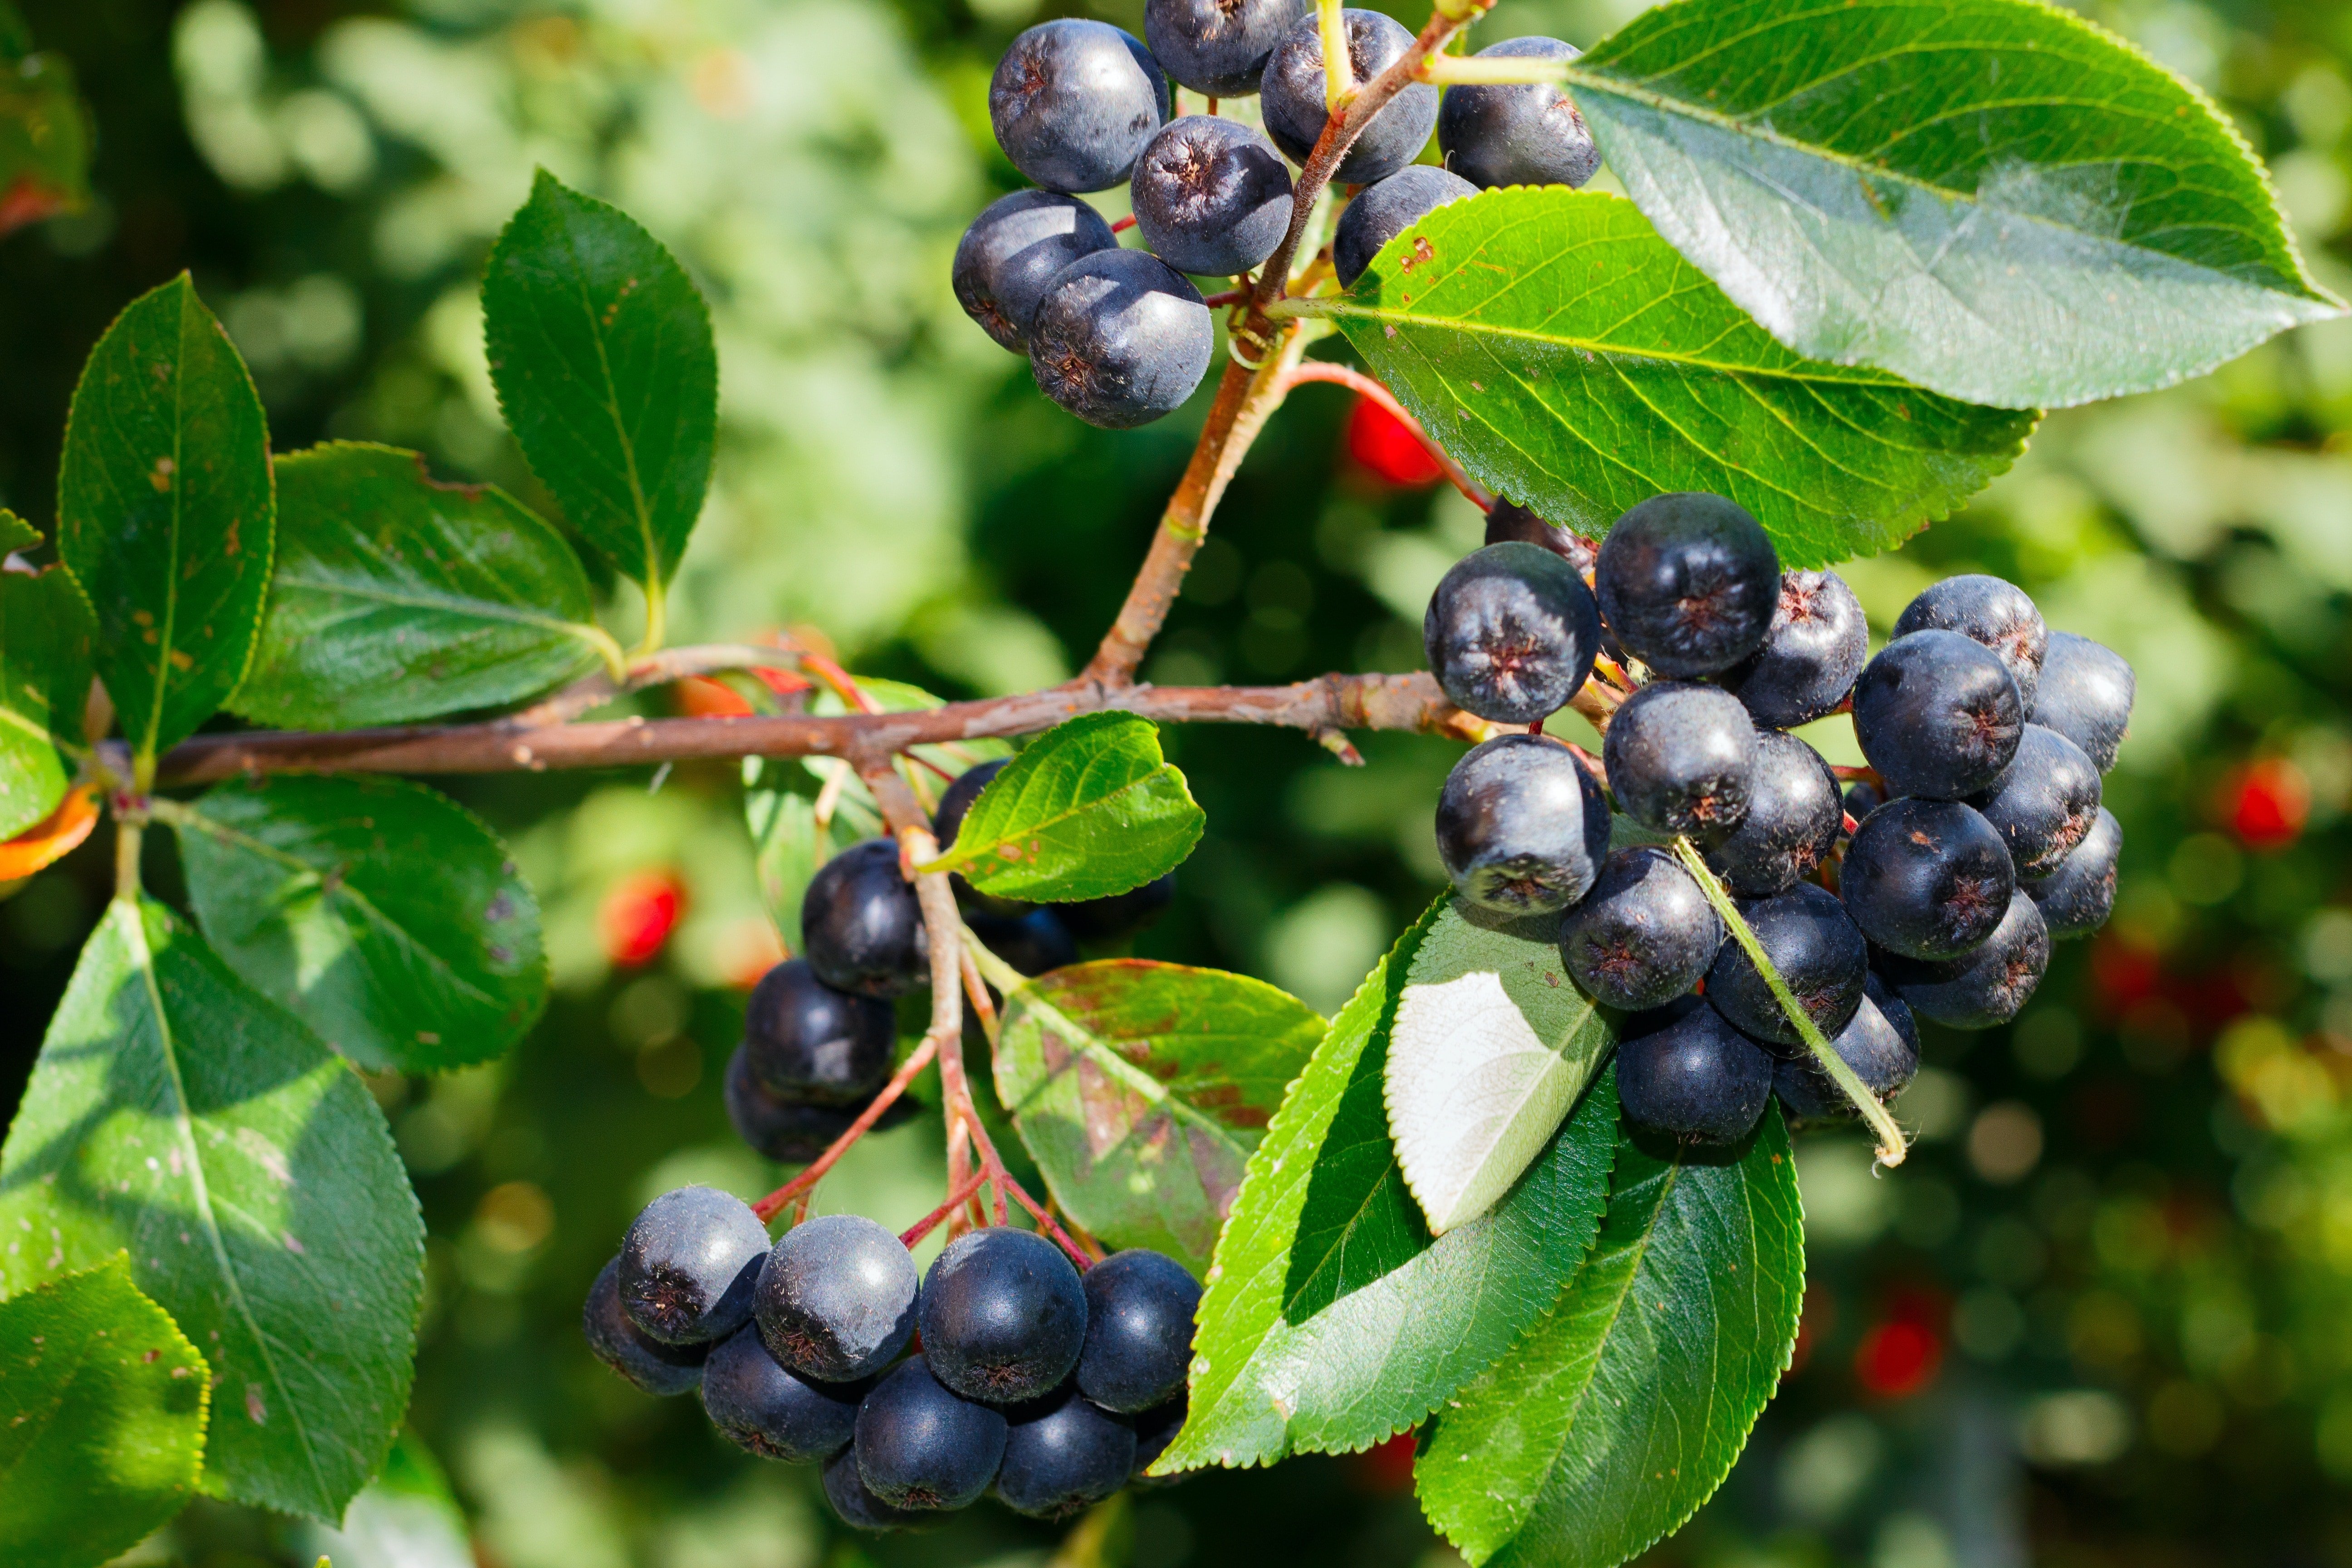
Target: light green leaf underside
{"type": "Point", "coordinates": [45, 632]}
{"type": "Point", "coordinates": [404, 1518]}
{"type": "Point", "coordinates": [165, 507]}
{"type": "Point", "coordinates": [176, 1114]}
{"type": "Point", "coordinates": [1332, 1319]}
{"type": "Point", "coordinates": [101, 1419]}
{"type": "Point", "coordinates": [397, 598]}
{"type": "Point", "coordinates": [1492, 1043]}
{"type": "Point", "coordinates": [1609, 1425]}
{"type": "Point", "coordinates": [1140, 1087]}
{"type": "Point", "coordinates": [385, 915]}
{"type": "Point", "coordinates": [1993, 198]}
{"type": "Point", "coordinates": [1571, 361]}
{"type": "Point", "coordinates": [1088, 809]}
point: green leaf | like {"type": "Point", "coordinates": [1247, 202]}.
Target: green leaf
{"type": "Point", "coordinates": [1088, 809]}
{"type": "Point", "coordinates": [1492, 1043]}
{"type": "Point", "coordinates": [176, 1114]}
{"type": "Point", "coordinates": [600, 350]}
{"type": "Point", "coordinates": [1332, 1319]}
{"type": "Point", "coordinates": [1141, 1088]}
{"type": "Point", "coordinates": [15, 533]}
{"type": "Point", "coordinates": [45, 632]}
{"type": "Point", "coordinates": [404, 1518]}
{"type": "Point", "coordinates": [1993, 198]}
{"type": "Point", "coordinates": [1606, 1428]}
{"type": "Point", "coordinates": [101, 1419]}
{"type": "Point", "coordinates": [44, 135]}
{"type": "Point", "coordinates": [1570, 359]}
{"type": "Point", "coordinates": [166, 512]}
{"type": "Point", "coordinates": [397, 597]}
{"type": "Point", "coordinates": [385, 915]}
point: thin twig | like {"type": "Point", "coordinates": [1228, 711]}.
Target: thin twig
{"type": "Point", "coordinates": [930, 1221]}
{"type": "Point", "coordinates": [1364, 386]}
{"type": "Point", "coordinates": [772, 1205]}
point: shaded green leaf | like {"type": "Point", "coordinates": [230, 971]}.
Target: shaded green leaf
{"type": "Point", "coordinates": [1332, 1319]}
{"type": "Point", "coordinates": [45, 632]}
{"type": "Point", "coordinates": [1088, 809]}
{"type": "Point", "coordinates": [406, 1517]}
{"type": "Point", "coordinates": [1570, 359]}
{"type": "Point", "coordinates": [601, 350]}
{"type": "Point", "coordinates": [396, 597]}
{"type": "Point", "coordinates": [101, 1419]}
{"type": "Point", "coordinates": [1993, 198]}
{"type": "Point", "coordinates": [45, 133]}
{"type": "Point", "coordinates": [1140, 1088]}
{"type": "Point", "coordinates": [15, 533]}
{"type": "Point", "coordinates": [176, 1113]}
{"type": "Point", "coordinates": [166, 512]}
{"type": "Point", "coordinates": [386, 916]}
{"type": "Point", "coordinates": [1607, 1426]}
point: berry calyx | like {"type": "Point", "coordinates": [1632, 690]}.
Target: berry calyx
{"type": "Point", "coordinates": [1680, 757]}
{"type": "Point", "coordinates": [1211, 195]}
{"type": "Point", "coordinates": [689, 1265]}
{"type": "Point", "coordinates": [836, 1301]}
{"type": "Point", "coordinates": [1926, 878]}
{"type": "Point", "coordinates": [1521, 826]}
{"type": "Point", "coordinates": [1689, 583]}
{"type": "Point", "coordinates": [1073, 102]}
{"type": "Point", "coordinates": [1120, 338]}
{"type": "Point", "coordinates": [1643, 935]}
{"type": "Point", "coordinates": [1511, 633]}
{"type": "Point", "coordinates": [1004, 1316]}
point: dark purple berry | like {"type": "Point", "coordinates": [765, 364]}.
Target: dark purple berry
{"type": "Point", "coordinates": [856, 1506]}
{"type": "Point", "coordinates": [1217, 48]}
{"type": "Point", "coordinates": [1508, 520]}
{"type": "Point", "coordinates": [1794, 815]}
{"type": "Point", "coordinates": [2077, 897]}
{"type": "Point", "coordinates": [1689, 583]}
{"type": "Point", "coordinates": [1511, 633]}
{"type": "Point", "coordinates": [1936, 715]}
{"type": "Point", "coordinates": [1012, 251]}
{"type": "Point", "coordinates": [1120, 339]}
{"type": "Point", "coordinates": [765, 1409]}
{"type": "Point", "coordinates": [1211, 195]}
{"type": "Point", "coordinates": [1643, 935]}
{"type": "Point", "coordinates": [836, 1301]}
{"type": "Point", "coordinates": [1861, 798]}
{"type": "Point", "coordinates": [1062, 1454]}
{"type": "Point", "coordinates": [1073, 102]}
{"type": "Point", "coordinates": [1819, 951]}
{"type": "Point", "coordinates": [2085, 695]}
{"type": "Point", "coordinates": [1114, 917]}
{"type": "Point", "coordinates": [1986, 986]}
{"type": "Point", "coordinates": [862, 925]}
{"type": "Point", "coordinates": [1871, 1045]}
{"type": "Point", "coordinates": [1032, 941]}
{"type": "Point", "coordinates": [1154, 1430]}
{"type": "Point", "coordinates": [1685, 1071]}
{"type": "Point", "coordinates": [1139, 1307]}
{"type": "Point", "coordinates": [1521, 826]}
{"type": "Point", "coordinates": [1291, 97]}
{"type": "Point", "coordinates": [691, 1264]}
{"type": "Point", "coordinates": [641, 1359]}
{"type": "Point", "coordinates": [1810, 656]}
{"type": "Point", "coordinates": [1004, 1316]}
{"type": "Point", "coordinates": [789, 1131]}
{"type": "Point", "coordinates": [1520, 133]}
{"type": "Point", "coordinates": [1926, 878]}
{"type": "Point", "coordinates": [1988, 611]}
{"type": "Point", "coordinates": [2044, 801]}
{"type": "Point", "coordinates": [805, 1041]}
{"type": "Point", "coordinates": [1379, 213]}
{"type": "Point", "coordinates": [1680, 757]}
{"type": "Point", "coordinates": [920, 1446]}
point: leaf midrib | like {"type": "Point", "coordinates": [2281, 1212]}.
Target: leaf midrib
{"type": "Point", "coordinates": [968, 855]}
{"type": "Point", "coordinates": [622, 435]}
{"type": "Point", "coordinates": [178, 490]}
{"type": "Point", "coordinates": [1127, 1073]}
{"type": "Point", "coordinates": [451, 603]}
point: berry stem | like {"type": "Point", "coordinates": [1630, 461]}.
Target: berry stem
{"type": "Point", "coordinates": [1364, 386]}
{"type": "Point", "coordinates": [1891, 1143]}
{"type": "Point", "coordinates": [1448, 70]}
{"type": "Point", "coordinates": [1339, 64]}
{"type": "Point", "coordinates": [775, 1203]}
{"type": "Point", "coordinates": [930, 1221]}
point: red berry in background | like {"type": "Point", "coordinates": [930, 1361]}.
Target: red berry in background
{"type": "Point", "coordinates": [1386, 1468]}
{"type": "Point", "coordinates": [2267, 803]}
{"type": "Point", "coordinates": [638, 915]}
{"type": "Point", "coordinates": [1901, 1353]}
{"type": "Point", "coordinates": [1386, 447]}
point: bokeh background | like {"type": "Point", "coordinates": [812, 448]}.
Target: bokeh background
{"type": "Point", "coordinates": [2103, 1316]}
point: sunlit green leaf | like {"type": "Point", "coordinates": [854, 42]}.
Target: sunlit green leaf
{"type": "Point", "coordinates": [45, 632]}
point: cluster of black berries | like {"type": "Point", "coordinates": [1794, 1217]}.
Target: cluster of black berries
{"type": "Point", "coordinates": [1119, 337]}
{"type": "Point", "coordinates": [820, 1033]}
{"type": "Point", "coordinates": [1050, 1387]}
{"type": "Point", "coordinates": [1940, 885]}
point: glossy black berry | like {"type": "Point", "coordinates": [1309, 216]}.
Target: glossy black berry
{"type": "Point", "coordinates": [855, 1502]}
{"type": "Point", "coordinates": [1521, 134]}
{"type": "Point", "coordinates": [1211, 195]}
{"type": "Point", "coordinates": [1872, 1045]}
{"type": "Point", "coordinates": [806, 1041]}
{"type": "Point", "coordinates": [1379, 213]}
{"type": "Point", "coordinates": [1508, 520]}
{"type": "Point", "coordinates": [1120, 339]}
{"type": "Point", "coordinates": [1986, 986]}
{"type": "Point", "coordinates": [1936, 714]}
{"type": "Point", "coordinates": [1988, 611]}
{"type": "Point", "coordinates": [921, 1446]}
{"type": "Point", "coordinates": [1685, 1072]}
{"type": "Point", "coordinates": [1032, 941]}
{"type": "Point", "coordinates": [1680, 757]}
{"type": "Point", "coordinates": [1511, 633]}
{"type": "Point", "coordinates": [1063, 1453]}
{"type": "Point", "coordinates": [1074, 101]}
{"type": "Point", "coordinates": [1114, 917]}
{"type": "Point", "coordinates": [861, 923]}
{"type": "Point", "coordinates": [689, 1265]}
{"type": "Point", "coordinates": [1154, 1430]}
{"type": "Point", "coordinates": [1794, 815]}
{"type": "Point", "coordinates": [1004, 1316]}
{"type": "Point", "coordinates": [836, 1301]}
{"type": "Point", "coordinates": [765, 1409]}
{"type": "Point", "coordinates": [1012, 251]}
{"type": "Point", "coordinates": [1689, 584]}
{"type": "Point", "coordinates": [787, 1130]}
{"type": "Point", "coordinates": [1217, 48]}
{"type": "Point", "coordinates": [2044, 801]}
{"type": "Point", "coordinates": [1819, 951]}
{"type": "Point", "coordinates": [1643, 935]}
{"type": "Point", "coordinates": [1812, 654]}
{"type": "Point", "coordinates": [2085, 695]}
{"type": "Point", "coordinates": [644, 1360]}
{"type": "Point", "coordinates": [1291, 97]}
{"type": "Point", "coordinates": [1521, 826]}
{"type": "Point", "coordinates": [1926, 878]}
{"type": "Point", "coordinates": [1861, 798]}
{"type": "Point", "coordinates": [1139, 1343]}
{"type": "Point", "coordinates": [1892, 1008]}
{"type": "Point", "coordinates": [2077, 897]}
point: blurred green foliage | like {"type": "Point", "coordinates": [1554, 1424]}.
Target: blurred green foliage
{"type": "Point", "coordinates": [2099, 1317]}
